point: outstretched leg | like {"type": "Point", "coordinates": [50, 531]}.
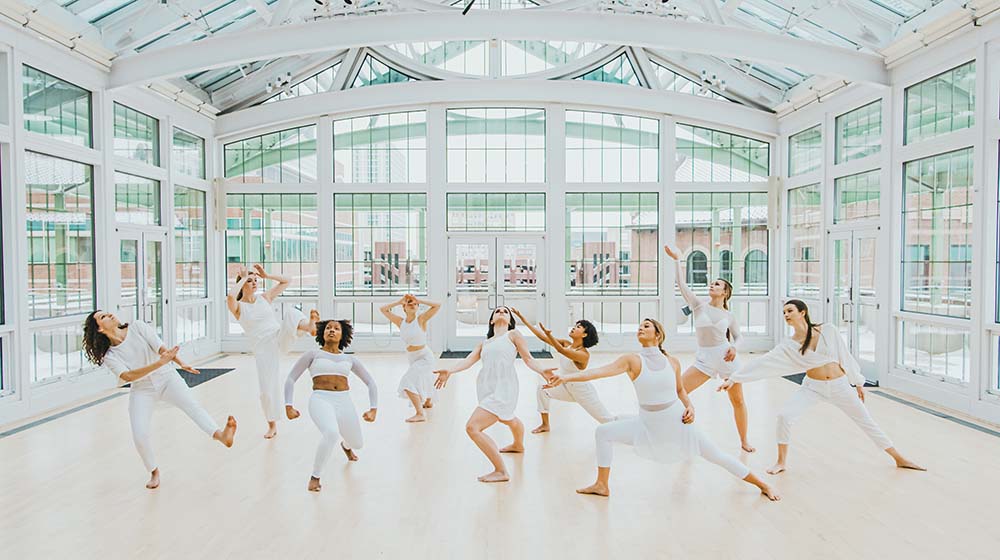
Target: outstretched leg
{"type": "Point", "coordinates": [605, 436]}
{"type": "Point", "coordinates": [802, 400]}
{"type": "Point", "coordinates": [475, 428]}
{"type": "Point", "coordinates": [846, 398]}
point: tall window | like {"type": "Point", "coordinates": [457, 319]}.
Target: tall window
{"type": "Point", "coordinates": [859, 132]}
{"type": "Point", "coordinates": [805, 236]}
{"type": "Point", "coordinates": [188, 153]}
{"type": "Point", "coordinates": [137, 200]}
{"type": "Point", "coordinates": [805, 151]}
{"type": "Point", "coordinates": [713, 156]}
{"type": "Point", "coordinates": [613, 243]}
{"type": "Point", "coordinates": [937, 234]}
{"type": "Point", "coordinates": [755, 268]}
{"type": "Point", "coordinates": [496, 212]}
{"type": "Point", "coordinates": [60, 225]}
{"type": "Point", "coordinates": [942, 104]}
{"type": "Point", "coordinates": [374, 72]}
{"type": "Point", "coordinates": [279, 231]}
{"type": "Point", "coordinates": [611, 148]}
{"type": "Point", "coordinates": [857, 196]}
{"type": "Point", "coordinates": [285, 156]}
{"type": "Point", "coordinates": [617, 71]}
{"type": "Point", "coordinates": [190, 243]}
{"type": "Point", "coordinates": [496, 145]}
{"type": "Point", "coordinates": [722, 228]}
{"type": "Point", "coordinates": [137, 135]}
{"type": "Point", "coordinates": [381, 243]}
{"type": "Point", "coordinates": [386, 148]}
{"type": "Point", "coordinates": [319, 82]}
{"type": "Point", "coordinates": [56, 108]}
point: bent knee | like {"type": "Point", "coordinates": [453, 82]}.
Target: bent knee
{"type": "Point", "coordinates": [472, 429]}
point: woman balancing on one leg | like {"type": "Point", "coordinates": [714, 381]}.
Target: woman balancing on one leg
{"type": "Point", "coordinates": [497, 389]}
{"type": "Point", "coordinates": [574, 357]}
{"type": "Point", "coordinates": [417, 383]}
{"type": "Point", "coordinates": [830, 369]}
{"type": "Point", "coordinates": [663, 430]}
{"type": "Point", "coordinates": [269, 335]}
{"type": "Point", "coordinates": [718, 334]}
{"type": "Point", "coordinates": [330, 405]}
{"type": "Point", "coordinates": [137, 355]}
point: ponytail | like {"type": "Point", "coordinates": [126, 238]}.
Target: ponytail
{"type": "Point", "coordinates": [801, 306]}
{"type": "Point", "coordinates": [661, 333]}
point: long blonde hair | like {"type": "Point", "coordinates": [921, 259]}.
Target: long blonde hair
{"type": "Point", "coordinates": [661, 333]}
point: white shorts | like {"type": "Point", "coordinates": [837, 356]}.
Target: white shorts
{"type": "Point", "coordinates": [711, 361]}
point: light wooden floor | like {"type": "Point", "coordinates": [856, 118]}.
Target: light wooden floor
{"type": "Point", "coordinates": [73, 488]}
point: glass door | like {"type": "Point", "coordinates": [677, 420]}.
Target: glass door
{"type": "Point", "coordinates": [853, 303]}
{"type": "Point", "coordinates": [141, 278]}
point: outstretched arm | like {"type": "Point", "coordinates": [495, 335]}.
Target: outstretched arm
{"type": "Point", "coordinates": [275, 291]}
{"type": "Point", "coordinates": [432, 310]}
{"type": "Point", "coordinates": [629, 363]}
{"type": "Point", "coordinates": [534, 330]}
{"type": "Point", "coordinates": [387, 311]}
{"type": "Point", "coordinates": [444, 374]}
{"type": "Point", "coordinates": [231, 302]}
{"type": "Point", "coordinates": [691, 299]}
{"type": "Point", "coordinates": [522, 348]}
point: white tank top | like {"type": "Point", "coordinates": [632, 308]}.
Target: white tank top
{"type": "Point", "coordinates": [567, 365]}
{"type": "Point", "coordinates": [656, 383]}
{"type": "Point", "coordinates": [411, 333]}
{"type": "Point", "coordinates": [258, 319]}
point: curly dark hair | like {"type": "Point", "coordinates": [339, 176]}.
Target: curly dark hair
{"type": "Point", "coordinates": [513, 323]}
{"type": "Point", "coordinates": [346, 332]}
{"type": "Point", "coordinates": [591, 330]}
{"type": "Point", "coordinates": [95, 343]}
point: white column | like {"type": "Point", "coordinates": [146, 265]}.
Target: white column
{"type": "Point", "coordinates": [438, 272]}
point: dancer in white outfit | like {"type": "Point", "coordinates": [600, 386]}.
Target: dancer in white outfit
{"type": "Point", "coordinates": [497, 389]}
{"type": "Point", "coordinates": [269, 336]}
{"type": "Point", "coordinates": [663, 430]}
{"type": "Point", "coordinates": [136, 355]}
{"type": "Point", "coordinates": [573, 357]}
{"type": "Point", "coordinates": [330, 404]}
{"type": "Point", "coordinates": [718, 336]}
{"type": "Point", "coordinates": [830, 371]}
{"type": "Point", "coordinates": [417, 384]}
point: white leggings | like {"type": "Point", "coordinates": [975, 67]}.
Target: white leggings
{"type": "Point", "coordinates": [626, 430]}
{"type": "Point", "coordinates": [584, 394]}
{"type": "Point", "coordinates": [143, 399]}
{"type": "Point", "coordinates": [837, 392]}
{"type": "Point", "coordinates": [334, 414]}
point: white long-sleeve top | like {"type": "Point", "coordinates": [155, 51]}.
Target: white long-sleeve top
{"type": "Point", "coordinates": [787, 359]}
{"type": "Point", "coordinates": [321, 362]}
{"type": "Point", "coordinates": [139, 349]}
{"type": "Point", "coordinates": [710, 323]}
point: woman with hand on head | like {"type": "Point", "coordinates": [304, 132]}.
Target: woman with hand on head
{"type": "Point", "coordinates": [136, 355]}
{"type": "Point", "coordinates": [269, 335]}
{"type": "Point", "coordinates": [718, 335]}
{"type": "Point", "coordinates": [417, 383]}
{"type": "Point", "coordinates": [330, 405]}
{"type": "Point", "coordinates": [497, 389]}
{"type": "Point", "coordinates": [573, 357]}
{"type": "Point", "coordinates": [663, 430]}
{"type": "Point", "coordinates": [831, 370]}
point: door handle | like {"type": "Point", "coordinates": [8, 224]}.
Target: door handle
{"type": "Point", "coordinates": [844, 316]}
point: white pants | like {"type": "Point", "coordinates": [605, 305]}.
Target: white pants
{"type": "Point", "coordinates": [837, 392]}
{"type": "Point", "coordinates": [267, 354]}
{"type": "Point", "coordinates": [689, 440]}
{"type": "Point", "coordinates": [584, 394]}
{"type": "Point", "coordinates": [143, 399]}
{"type": "Point", "coordinates": [334, 414]}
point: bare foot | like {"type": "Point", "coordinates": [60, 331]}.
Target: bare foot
{"type": "Point", "coordinates": [777, 468]}
{"type": "Point", "coordinates": [428, 404]}
{"type": "Point", "coordinates": [512, 449]}
{"type": "Point", "coordinates": [154, 479]}
{"type": "Point", "coordinates": [541, 429]}
{"type": "Point", "coordinates": [349, 452]}
{"type": "Point", "coordinates": [313, 319]}
{"type": "Point", "coordinates": [418, 417]}
{"type": "Point", "coordinates": [769, 493]}
{"type": "Point", "coordinates": [228, 434]}
{"type": "Point", "coordinates": [595, 489]}
{"type": "Point", "coordinates": [495, 476]}
{"type": "Point", "coordinates": [272, 429]}
{"type": "Point", "coordinates": [747, 447]}
{"type": "Point", "coordinates": [905, 464]}
{"type": "Point", "coordinates": [314, 485]}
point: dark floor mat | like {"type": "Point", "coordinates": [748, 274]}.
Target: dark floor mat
{"type": "Point", "coordinates": [207, 374]}
{"type": "Point", "coordinates": [458, 354]}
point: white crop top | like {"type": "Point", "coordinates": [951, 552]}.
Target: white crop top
{"type": "Point", "coordinates": [321, 362]}
{"type": "Point", "coordinates": [787, 359]}
{"type": "Point", "coordinates": [656, 384]}
{"type": "Point", "coordinates": [411, 333]}
{"type": "Point", "coordinates": [711, 324]}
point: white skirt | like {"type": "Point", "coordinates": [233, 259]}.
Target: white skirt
{"type": "Point", "coordinates": [711, 361]}
{"type": "Point", "coordinates": [290, 319]}
{"type": "Point", "coordinates": [497, 388]}
{"type": "Point", "coordinates": [662, 436]}
{"type": "Point", "coordinates": [419, 377]}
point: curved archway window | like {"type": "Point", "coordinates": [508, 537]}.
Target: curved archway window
{"type": "Point", "coordinates": [726, 268]}
{"type": "Point", "coordinates": [755, 270]}
{"type": "Point", "coordinates": [697, 269]}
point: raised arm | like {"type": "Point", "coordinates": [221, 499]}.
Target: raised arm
{"type": "Point", "coordinates": [392, 317]}
{"type": "Point", "coordinates": [359, 369]}
{"type": "Point", "coordinates": [231, 302]}
{"type": "Point", "coordinates": [432, 309]}
{"type": "Point", "coordinates": [534, 330]}
{"type": "Point", "coordinates": [689, 297]}
{"type": "Point", "coordinates": [579, 356]}
{"type": "Point", "coordinates": [522, 348]}
{"type": "Point", "coordinates": [275, 291]}
{"type": "Point", "coordinates": [629, 363]}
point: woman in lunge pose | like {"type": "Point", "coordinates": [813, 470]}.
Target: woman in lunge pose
{"type": "Point", "coordinates": [269, 335]}
{"type": "Point", "coordinates": [718, 335]}
{"type": "Point", "coordinates": [663, 430]}
{"type": "Point", "coordinates": [497, 389]}
{"type": "Point", "coordinates": [831, 370]}
{"type": "Point", "coordinates": [417, 383]}
{"type": "Point", "coordinates": [136, 355]}
{"type": "Point", "coordinates": [330, 405]}
{"type": "Point", "coordinates": [573, 357]}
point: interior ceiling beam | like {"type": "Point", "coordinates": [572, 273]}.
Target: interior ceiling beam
{"type": "Point", "coordinates": [230, 49]}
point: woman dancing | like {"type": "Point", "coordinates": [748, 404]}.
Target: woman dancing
{"type": "Point", "coordinates": [330, 405]}
{"type": "Point", "coordinates": [136, 355]}
{"type": "Point", "coordinates": [573, 357]}
{"type": "Point", "coordinates": [830, 371]}
{"type": "Point", "coordinates": [663, 430]}
{"type": "Point", "coordinates": [497, 389]}
{"type": "Point", "coordinates": [718, 335]}
{"type": "Point", "coordinates": [269, 336]}
{"type": "Point", "coordinates": [417, 383]}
